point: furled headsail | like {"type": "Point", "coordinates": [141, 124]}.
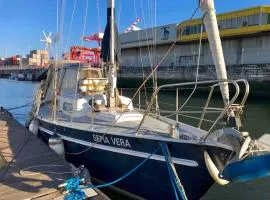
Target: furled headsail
{"type": "Point", "coordinates": [105, 45]}
{"type": "Point", "coordinates": [211, 26]}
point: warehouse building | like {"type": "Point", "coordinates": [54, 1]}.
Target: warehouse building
{"type": "Point", "coordinates": [245, 39]}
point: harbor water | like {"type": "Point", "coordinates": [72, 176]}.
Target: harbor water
{"type": "Point", "coordinates": [256, 120]}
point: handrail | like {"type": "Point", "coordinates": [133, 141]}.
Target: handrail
{"type": "Point", "coordinates": [247, 90]}
{"type": "Point", "coordinates": [226, 107]}
{"type": "Point", "coordinates": [205, 108]}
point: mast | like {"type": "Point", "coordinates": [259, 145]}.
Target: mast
{"type": "Point", "coordinates": [112, 65]}
{"type": "Point", "coordinates": [211, 26]}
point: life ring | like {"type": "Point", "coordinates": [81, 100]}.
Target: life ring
{"type": "Point", "coordinates": [213, 170]}
{"type": "Point", "coordinates": [244, 147]}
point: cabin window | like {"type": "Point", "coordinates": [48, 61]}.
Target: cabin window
{"type": "Point", "coordinates": [268, 19]}
{"type": "Point", "coordinates": [49, 91]}
{"type": "Point", "coordinates": [67, 107]}
{"type": "Point", "coordinates": [91, 102]}
{"type": "Point", "coordinates": [69, 82]}
{"type": "Point", "coordinates": [49, 94]}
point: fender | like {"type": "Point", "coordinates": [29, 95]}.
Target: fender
{"type": "Point", "coordinates": [213, 170]}
{"type": "Point", "coordinates": [244, 147]}
{"type": "Point", "coordinates": [33, 126]}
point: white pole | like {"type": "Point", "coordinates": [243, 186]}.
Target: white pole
{"type": "Point", "coordinates": [211, 26]}
{"type": "Point", "coordinates": [112, 64]}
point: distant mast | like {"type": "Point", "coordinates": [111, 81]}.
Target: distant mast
{"type": "Point", "coordinates": [211, 26]}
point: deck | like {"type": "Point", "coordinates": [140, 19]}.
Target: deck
{"type": "Point", "coordinates": [29, 169]}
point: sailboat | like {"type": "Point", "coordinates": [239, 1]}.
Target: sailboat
{"type": "Point", "coordinates": [105, 132]}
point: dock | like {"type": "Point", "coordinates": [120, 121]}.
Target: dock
{"type": "Point", "coordinates": [29, 169]}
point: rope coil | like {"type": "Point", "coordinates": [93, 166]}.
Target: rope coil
{"type": "Point", "coordinates": [75, 192]}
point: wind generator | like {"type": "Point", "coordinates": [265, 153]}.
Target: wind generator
{"type": "Point", "coordinates": [48, 42]}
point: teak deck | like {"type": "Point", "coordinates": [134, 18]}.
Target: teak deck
{"type": "Point", "coordinates": [22, 155]}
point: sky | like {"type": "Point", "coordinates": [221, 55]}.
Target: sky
{"type": "Point", "coordinates": [22, 21]}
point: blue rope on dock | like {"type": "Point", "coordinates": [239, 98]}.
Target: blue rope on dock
{"type": "Point", "coordinates": [75, 192]}
{"type": "Point", "coordinates": [173, 178]}
{"type": "Point", "coordinates": [170, 173]}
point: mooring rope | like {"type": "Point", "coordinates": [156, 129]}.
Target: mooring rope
{"type": "Point", "coordinates": [22, 106]}
{"type": "Point", "coordinates": [176, 184]}
{"type": "Point", "coordinates": [77, 192]}
{"type": "Point", "coordinates": [72, 184]}
{"type": "Point", "coordinates": [127, 174]}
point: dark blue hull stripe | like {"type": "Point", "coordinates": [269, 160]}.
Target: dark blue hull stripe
{"type": "Point", "coordinates": [179, 161]}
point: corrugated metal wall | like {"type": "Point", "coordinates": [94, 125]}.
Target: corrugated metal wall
{"type": "Point", "coordinates": [253, 50]}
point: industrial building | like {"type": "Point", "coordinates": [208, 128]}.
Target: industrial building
{"type": "Point", "coordinates": [245, 39]}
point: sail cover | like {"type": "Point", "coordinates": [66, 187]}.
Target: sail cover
{"type": "Point", "coordinates": [211, 26]}
{"type": "Point", "coordinates": [105, 45]}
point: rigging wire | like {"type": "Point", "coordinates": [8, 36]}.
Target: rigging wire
{"type": "Point", "coordinates": [70, 24]}
{"type": "Point", "coordinates": [59, 27]}
{"type": "Point", "coordinates": [80, 64]}
{"type": "Point", "coordinates": [56, 58]}
{"type": "Point", "coordinates": [62, 25]}
{"type": "Point", "coordinates": [59, 37]}
{"type": "Point", "coordinates": [120, 10]}
{"type": "Point", "coordinates": [197, 68]}
{"type": "Point", "coordinates": [98, 16]}
{"type": "Point", "coordinates": [147, 40]}
{"type": "Point", "coordinates": [140, 51]}
{"type": "Point", "coordinates": [155, 50]}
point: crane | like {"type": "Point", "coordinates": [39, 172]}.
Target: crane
{"type": "Point", "coordinates": [94, 37]}
{"type": "Point", "coordinates": [133, 26]}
